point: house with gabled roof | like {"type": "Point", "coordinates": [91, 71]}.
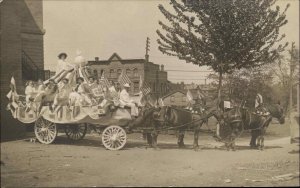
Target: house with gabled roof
{"type": "Point", "coordinates": [175, 98]}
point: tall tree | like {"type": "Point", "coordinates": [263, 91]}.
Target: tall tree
{"type": "Point", "coordinates": [286, 72]}
{"type": "Point", "coordinates": [224, 35]}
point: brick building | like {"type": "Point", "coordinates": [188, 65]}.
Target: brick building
{"type": "Point", "coordinates": [22, 52]}
{"type": "Point", "coordinates": [134, 68]}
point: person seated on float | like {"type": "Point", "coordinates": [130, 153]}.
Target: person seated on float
{"type": "Point", "coordinates": [125, 100]}
{"type": "Point", "coordinates": [46, 97]}
{"type": "Point", "coordinates": [112, 87]}
{"type": "Point", "coordinates": [82, 93]}
{"type": "Point", "coordinates": [62, 96]}
{"type": "Point", "coordinates": [30, 93]}
{"type": "Point", "coordinates": [97, 91]}
{"type": "Point", "coordinates": [118, 87]}
{"type": "Point", "coordinates": [93, 86]}
{"type": "Point", "coordinates": [40, 86]}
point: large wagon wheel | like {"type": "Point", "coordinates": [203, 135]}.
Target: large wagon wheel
{"type": "Point", "coordinates": [45, 131]}
{"type": "Point", "coordinates": [114, 137]}
{"type": "Point", "coordinates": [76, 131]}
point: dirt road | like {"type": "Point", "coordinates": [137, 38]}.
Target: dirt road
{"type": "Point", "coordinates": [87, 163]}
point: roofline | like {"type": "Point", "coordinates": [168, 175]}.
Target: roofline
{"type": "Point", "coordinates": [173, 93]}
{"type": "Point", "coordinates": [124, 61]}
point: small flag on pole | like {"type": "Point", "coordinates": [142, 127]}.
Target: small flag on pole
{"type": "Point", "coordinates": [145, 89]}
{"type": "Point", "coordinates": [124, 79]}
{"type": "Point", "coordinates": [104, 82]}
{"type": "Point", "coordinates": [161, 102]}
{"type": "Point", "coordinates": [189, 95]}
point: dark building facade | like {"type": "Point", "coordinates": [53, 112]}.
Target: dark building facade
{"type": "Point", "coordinates": [22, 52]}
{"type": "Point", "coordinates": [152, 73]}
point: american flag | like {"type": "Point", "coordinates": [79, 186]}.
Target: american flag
{"type": "Point", "coordinates": [12, 106]}
{"type": "Point", "coordinates": [124, 79]}
{"type": "Point", "coordinates": [144, 87]}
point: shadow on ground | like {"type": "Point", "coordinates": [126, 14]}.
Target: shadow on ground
{"type": "Point", "coordinates": [96, 142]}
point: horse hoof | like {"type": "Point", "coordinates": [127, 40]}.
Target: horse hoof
{"type": "Point", "coordinates": [197, 148]}
{"type": "Point", "coordinates": [156, 148]}
{"type": "Point", "coordinates": [181, 145]}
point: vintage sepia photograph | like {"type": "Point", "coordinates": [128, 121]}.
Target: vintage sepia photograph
{"type": "Point", "coordinates": [149, 93]}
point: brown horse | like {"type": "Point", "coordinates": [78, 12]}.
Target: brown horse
{"type": "Point", "coordinates": [168, 118]}
{"type": "Point", "coordinates": [239, 119]}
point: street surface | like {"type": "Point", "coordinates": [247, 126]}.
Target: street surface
{"type": "Point", "coordinates": [88, 163]}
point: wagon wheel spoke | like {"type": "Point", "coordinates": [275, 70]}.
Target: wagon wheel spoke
{"type": "Point", "coordinates": [76, 131]}
{"type": "Point", "coordinates": [45, 131]}
{"type": "Point", "coordinates": [114, 138]}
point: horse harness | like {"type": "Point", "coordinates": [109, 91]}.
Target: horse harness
{"type": "Point", "coordinates": [168, 122]}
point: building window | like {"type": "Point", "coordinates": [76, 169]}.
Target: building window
{"type": "Point", "coordinates": [95, 73]}
{"type": "Point", "coordinates": [183, 99]}
{"type": "Point", "coordinates": [172, 99]}
{"type": "Point", "coordinates": [111, 73]}
{"type": "Point", "coordinates": [119, 71]}
{"type": "Point", "coordinates": [135, 72]}
{"type": "Point", "coordinates": [154, 89]}
{"type": "Point", "coordinates": [136, 87]}
{"type": "Point", "coordinates": [128, 72]}
{"type": "Point", "coordinates": [101, 72]}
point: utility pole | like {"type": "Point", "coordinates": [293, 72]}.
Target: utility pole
{"type": "Point", "coordinates": [292, 66]}
{"type": "Point", "coordinates": [147, 49]}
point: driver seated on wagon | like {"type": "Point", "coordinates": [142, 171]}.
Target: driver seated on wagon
{"type": "Point", "coordinates": [126, 100]}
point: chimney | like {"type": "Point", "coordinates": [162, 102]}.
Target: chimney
{"type": "Point", "coordinates": [162, 67]}
{"type": "Point", "coordinates": [96, 58]}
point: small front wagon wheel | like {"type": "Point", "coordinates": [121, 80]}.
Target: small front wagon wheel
{"type": "Point", "coordinates": [45, 131]}
{"type": "Point", "coordinates": [114, 138]}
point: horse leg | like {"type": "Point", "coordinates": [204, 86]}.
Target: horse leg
{"type": "Point", "coordinates": [196, 137]}
{"type": "Point", "coordinates": [149, 139]}
{"type": "Point", "coordinates": [180, 139]}
{"type": "Point", "coordinates": [154, 135]}
{"type": "Point", "coordinates": [262, 142]}
{"type": "Point", "coordinates": [258, 142]}
{"type": "Point", "coordinates": [227, 145]}
{"type": "Point", "coordinates": [233, 144]}
{"type": "Point", "coordinates": [253, 139]}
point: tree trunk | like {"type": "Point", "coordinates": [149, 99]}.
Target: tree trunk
{"type": "Point", "coordinates": [220, 87]}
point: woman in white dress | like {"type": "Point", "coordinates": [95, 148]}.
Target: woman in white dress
{"type": "Point", "coordinates": [30, 93]}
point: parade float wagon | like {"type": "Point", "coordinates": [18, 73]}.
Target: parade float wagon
{"type": "Point", "coordinates": [74, 120]}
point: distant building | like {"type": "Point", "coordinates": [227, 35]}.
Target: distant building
{"type": "Point", "coordinates": [154, 74]}
{"type": "Point", "coordinates": [208, 90]}
{"type": "Point", "coordinates": [175, 86]}
{"type": "Point", "coordinates": [22, 52]}
{"type": "Point", "coordinates": [175, 98]}
{"type": "Point", "coordinates": [190, 86]}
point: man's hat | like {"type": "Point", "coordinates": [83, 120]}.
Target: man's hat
{"type": "Point", "coordinates": [126, 85]}
{"type": "Point", "coordinates": [62, 54]}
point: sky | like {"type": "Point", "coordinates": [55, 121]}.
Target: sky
{"type": "Point", "coordinates": [99, 28]}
